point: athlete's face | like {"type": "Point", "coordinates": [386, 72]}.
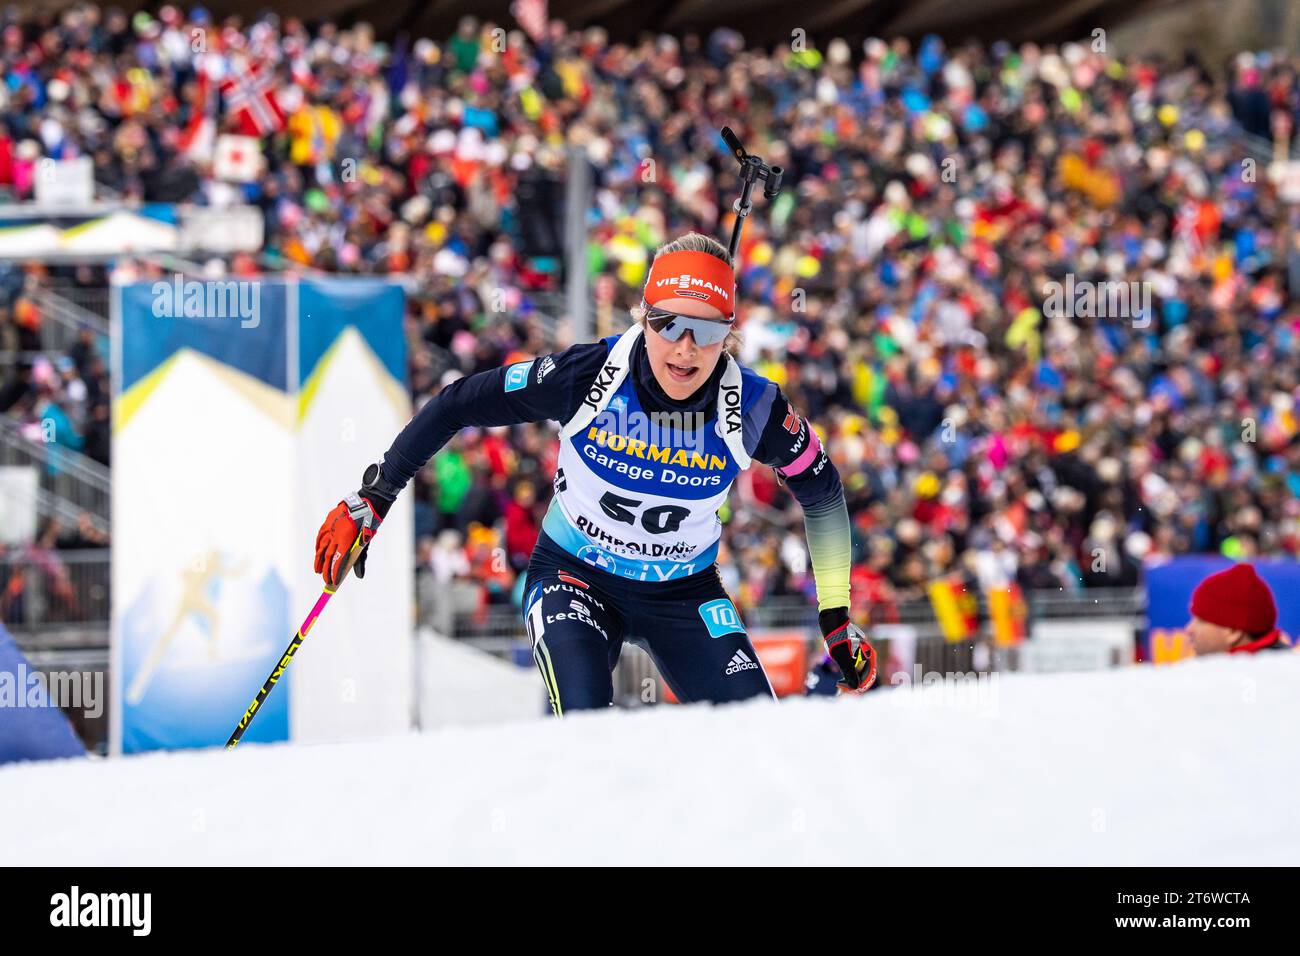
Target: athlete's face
{"type": "Point", "coordinates": [681, 367]}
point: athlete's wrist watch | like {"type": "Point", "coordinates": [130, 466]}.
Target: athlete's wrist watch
{"type": "Point", "coordinates": [374, 483]}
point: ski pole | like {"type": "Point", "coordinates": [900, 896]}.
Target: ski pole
{"type": "Point", "coordinates": [287, 658]}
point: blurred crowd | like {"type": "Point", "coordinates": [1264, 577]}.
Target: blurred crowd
{"type": "Point", "coordinates": [58, 397]}
{"type": "Point", "coordinates": [904, 289]}
{"type": "Point", "coordinates": [55, 399]}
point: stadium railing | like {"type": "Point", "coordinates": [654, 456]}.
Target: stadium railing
{"type": "Point", "coordinates": [43, 590]}
{"type": "Point", "coordinates": [79, 480]}
{"type": "Point", "coordinates": [68, 310]}
{"type": "Point", "coordinates": [56, 606]}
{"type": "Point", "coordinates": [81, 304]}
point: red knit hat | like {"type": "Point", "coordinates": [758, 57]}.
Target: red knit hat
{"type": "Point", "coordinates": [1237, 598]}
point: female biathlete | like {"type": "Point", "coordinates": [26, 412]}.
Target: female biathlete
{"type": "Point", "coordinates": [656, 424]}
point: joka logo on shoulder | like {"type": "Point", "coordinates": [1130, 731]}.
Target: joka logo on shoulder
{"type": "Point", "coordinates": [517, 375]}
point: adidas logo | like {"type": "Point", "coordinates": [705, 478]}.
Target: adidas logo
{"type": "Point", "coordinates": [740, 662]}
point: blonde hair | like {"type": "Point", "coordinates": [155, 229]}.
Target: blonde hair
{"type": "Point", "coordinates": [698, 242]}
{"type": "Point", "coordinates": [695, 242]}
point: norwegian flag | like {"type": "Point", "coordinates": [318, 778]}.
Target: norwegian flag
{"type": "Point", "coordinates": [249, 93]}
{"type": "Point", "coordinates": [531, 15]}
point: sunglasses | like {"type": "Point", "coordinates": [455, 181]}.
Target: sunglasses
{"type": "Point", "coordinates": [673, 325]}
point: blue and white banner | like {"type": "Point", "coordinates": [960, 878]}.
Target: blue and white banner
{"type": "Point", "coordinates": [242, 412]}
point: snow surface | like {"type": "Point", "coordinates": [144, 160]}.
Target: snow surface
{"type": "Point", "coordinates": [1193, 763]}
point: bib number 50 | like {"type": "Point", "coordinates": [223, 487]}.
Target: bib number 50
{"type": "Point", "coordinates": [660, 519]}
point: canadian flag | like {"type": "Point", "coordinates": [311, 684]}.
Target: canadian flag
{"type": "Point", "coordinates": [238, 159]}
{"type": "Point", "coordinates": [249, 92]}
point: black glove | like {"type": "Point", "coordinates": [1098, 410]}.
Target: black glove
{"type": "Point", "coordinates": [850, 649]}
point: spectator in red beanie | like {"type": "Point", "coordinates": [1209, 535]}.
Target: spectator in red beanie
{"type": "Point", "coordinates": [1233, 612]}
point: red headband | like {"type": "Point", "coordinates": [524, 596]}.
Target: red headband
{"type": "Point", "coordinates": [695, 275]}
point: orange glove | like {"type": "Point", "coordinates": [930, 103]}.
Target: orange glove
{"type": "Point", "coordinates": [338, 533]}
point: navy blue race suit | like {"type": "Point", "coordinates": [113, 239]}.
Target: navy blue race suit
{"type": "Point", "coordinates": [628, 546]}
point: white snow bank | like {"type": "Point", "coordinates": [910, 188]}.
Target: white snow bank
{"type": "Point", "coordinates": [1194, 763]}
{"type": "Point", "coordinates": [464, 687]}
